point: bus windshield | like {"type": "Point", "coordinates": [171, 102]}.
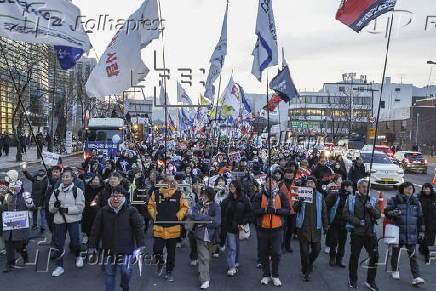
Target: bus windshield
{"type": "Point", "coordinates": [103, 135]}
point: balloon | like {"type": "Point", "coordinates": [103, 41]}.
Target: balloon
{"type": "Point", "coordinates": [116, 139]}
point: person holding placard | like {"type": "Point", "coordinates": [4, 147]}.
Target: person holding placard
{"type": "Point", "coordinates": [16, 222]}
{"type": "Point", "coordinates": [311, 218]}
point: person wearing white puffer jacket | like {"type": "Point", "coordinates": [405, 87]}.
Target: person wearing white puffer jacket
{"type": "Point", "coordinates": [67, 204]}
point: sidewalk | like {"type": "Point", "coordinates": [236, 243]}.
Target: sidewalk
{"type": "Point", "coordinates": [29, 157]}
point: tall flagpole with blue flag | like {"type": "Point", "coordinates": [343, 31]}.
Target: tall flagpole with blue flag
{"type": "Point", "coordinates": [265, 52]}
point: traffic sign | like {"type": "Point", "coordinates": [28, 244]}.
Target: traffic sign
{"type": "Point", "coordinates": [372, 119]}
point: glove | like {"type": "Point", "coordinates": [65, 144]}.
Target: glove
{"type": "Point", "coordinates": [57, 204]}
{"type": "Point", "coordinates": [270, 210]}
{"type": "Point", "coordinates": [63, 210]}
{"type": "Point", "coordinates": [362, 222]}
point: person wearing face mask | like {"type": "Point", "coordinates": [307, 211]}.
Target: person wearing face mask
{"type": "Point", "coordinates": [67, 203]}
{"type": "Point", "coordinates": [311, 219]}
{"type": "Point", "coordinates": [428, 202]}
{"type": "Point", "coordinates": [123, 220]}
{"type": "Point", "coordinates": [285, 187]}
{"type": "Point", "coordinates": [235, 213]}
{"type": "Point", "coordinates": [405, 211]}
{"type": "Point", "coordinates": [167, 204]}
{"type": "Point", "coordinates": [92, 194]}
{"type": "Point", "coordinates": [337, 233]}
{"type": "Point", "coordinates": [270, 208]}
{"type": "Point", "coordinates": [16, 239]}
{"type": "Point", "coordinates": [39, 187]}
{"type": "Point", "coordinates": [206, 235]}
{"type": "Point", "coordinates": [54, 174]}
{"type": "Point", "coordinates": [357, 171]}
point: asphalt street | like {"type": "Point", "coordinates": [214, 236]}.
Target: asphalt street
{"type": "Point", "coordinates": [36, 278]}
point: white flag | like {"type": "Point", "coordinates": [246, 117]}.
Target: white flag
{"type": "Point", "coordinates": [51, 22]}
{"type": "Point", "coordinates": [217, 60]}
{"type": "Point", "coordinates": [182, 96]}
{"type": "Point", "coordinates": [121, 66]}
{"type": "Point", "coordinates": [230, 97]}
{"type": "Point", "coordinates": [265, 52]}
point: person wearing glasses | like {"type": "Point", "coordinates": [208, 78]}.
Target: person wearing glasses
{"type": "Point", "coordinates": [120, 218]}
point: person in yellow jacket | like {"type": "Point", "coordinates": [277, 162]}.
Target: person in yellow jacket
{"type": "Point", "coordinates": [167, 205]}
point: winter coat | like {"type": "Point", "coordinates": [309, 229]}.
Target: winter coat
{"type": "Point", "coordinates": [235, 212]}
{"type": "Point", "coordinates": [75, 205]}
{"type": "Point", "coordinates": [410, 219]}
{"type": "Point", "coordinates": [361, 213]}
{"type": "Point", "coordinates": [428, 204]}
{"type": "Point", "coordinates": [39, 187]}
{"type": "Point", "coordinates": [335, 202]}
{"type": "Point", "coordinates": [90, 212]}
{"type": "Point", "coordinates": [213, 214]}
{"type": "Point", "coordinates": [17, 203]}
{"type": "Point", "coordinates": [356, 173]}
{"type": "Point", "coordinates": [120, 233]}
{"type": "Point", "coordinates": [260, 212]}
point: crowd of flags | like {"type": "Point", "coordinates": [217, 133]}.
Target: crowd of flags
{"type": "Point", "coordinates": [121, 67]}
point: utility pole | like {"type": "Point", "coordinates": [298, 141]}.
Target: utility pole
{"type": "Point", "coordinates": [417, 128]}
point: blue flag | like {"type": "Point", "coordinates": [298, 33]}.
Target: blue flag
{"type": "Point", "coordinates": [244, 100]}
{"type": "Point", "coordinates": [68, 56]}
{"type": "Point", "coordinates": [283, 85]}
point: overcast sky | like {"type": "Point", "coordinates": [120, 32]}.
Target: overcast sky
{"type": "Point", "coordinates": [318, 48]}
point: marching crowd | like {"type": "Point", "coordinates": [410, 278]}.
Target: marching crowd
{"type": "Point", "coordinates": [212, 201]}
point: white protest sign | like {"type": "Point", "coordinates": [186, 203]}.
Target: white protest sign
{"type": "Point", "coordinates": [304, 194]}
{"type": "Point", "coordinates": [13, 220]}
{"type": "Point", "coordinates": [50, 159]}
{"type": "Point", "coordinates": [69, 142]}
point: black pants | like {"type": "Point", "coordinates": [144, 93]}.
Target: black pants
{"type": "Point", "coordinates": [270, 243]}
{"type": "Point", "coordinates": [170, 244]}
{"type": "Point", "coordinates": [6, 150]}
{"type": "Point", "coordinates": [308, 257]}
{"type": "Point", "coordinates": [193, 255]}
{"type": "Point", "coordinates": [338, 238]}
{"type": "Point", "coordinates": [411, 251]}
{"type": "Point", "coordinates": [369, 242]}
{"type": "Point", "coordinates": [11, 247]}
{"type": "Point", "coordinates": [290, 229]}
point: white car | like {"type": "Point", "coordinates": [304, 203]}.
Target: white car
{"type": "Point", "coordinates": [384, 172]}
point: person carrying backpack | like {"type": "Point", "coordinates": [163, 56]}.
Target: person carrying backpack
{"type": "Point", "coordinates": [67, 203]}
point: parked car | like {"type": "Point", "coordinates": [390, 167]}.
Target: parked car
{"type": "Point", "coordinates": [384, 171]}
{"type": "Point", "coordinates": [411, 161]}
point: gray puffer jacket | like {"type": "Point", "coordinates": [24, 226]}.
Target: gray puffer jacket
{"type": "Point", "coordinates": [410, 218]}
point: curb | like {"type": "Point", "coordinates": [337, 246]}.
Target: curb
{"type": "Point", "coordinates": [39, 161]}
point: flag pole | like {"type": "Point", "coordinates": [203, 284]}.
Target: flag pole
{"type": "Point", "coordinates": [379, 103]}
{"type": "Point", "coordinates": [165, 94]}
{"type": "Point", "coordinates": [269, 133]}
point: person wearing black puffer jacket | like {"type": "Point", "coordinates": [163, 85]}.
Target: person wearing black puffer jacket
{"type": "Point", "coordinates": [120, 228]}
{"type": "Point", "coordinates": [405, 211]}
{"type": "Point", "coordinates": [357, 172]}
{"type": "Point", "coordinates": [39, 187]}
{"type": "Point", "coordinates": [427, 197]}
{"type": "Point", "coordinates": [93, 190]}
{"type": "Point", "coordinates": [235, 213]}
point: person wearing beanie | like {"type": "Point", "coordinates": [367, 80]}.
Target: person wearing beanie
{"type": "Point", "coordinates": [311, 219]}
{"type": "Point", "coordinates": [120, 218]}
{"type": "Point", "coordinates": [15, 200]}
